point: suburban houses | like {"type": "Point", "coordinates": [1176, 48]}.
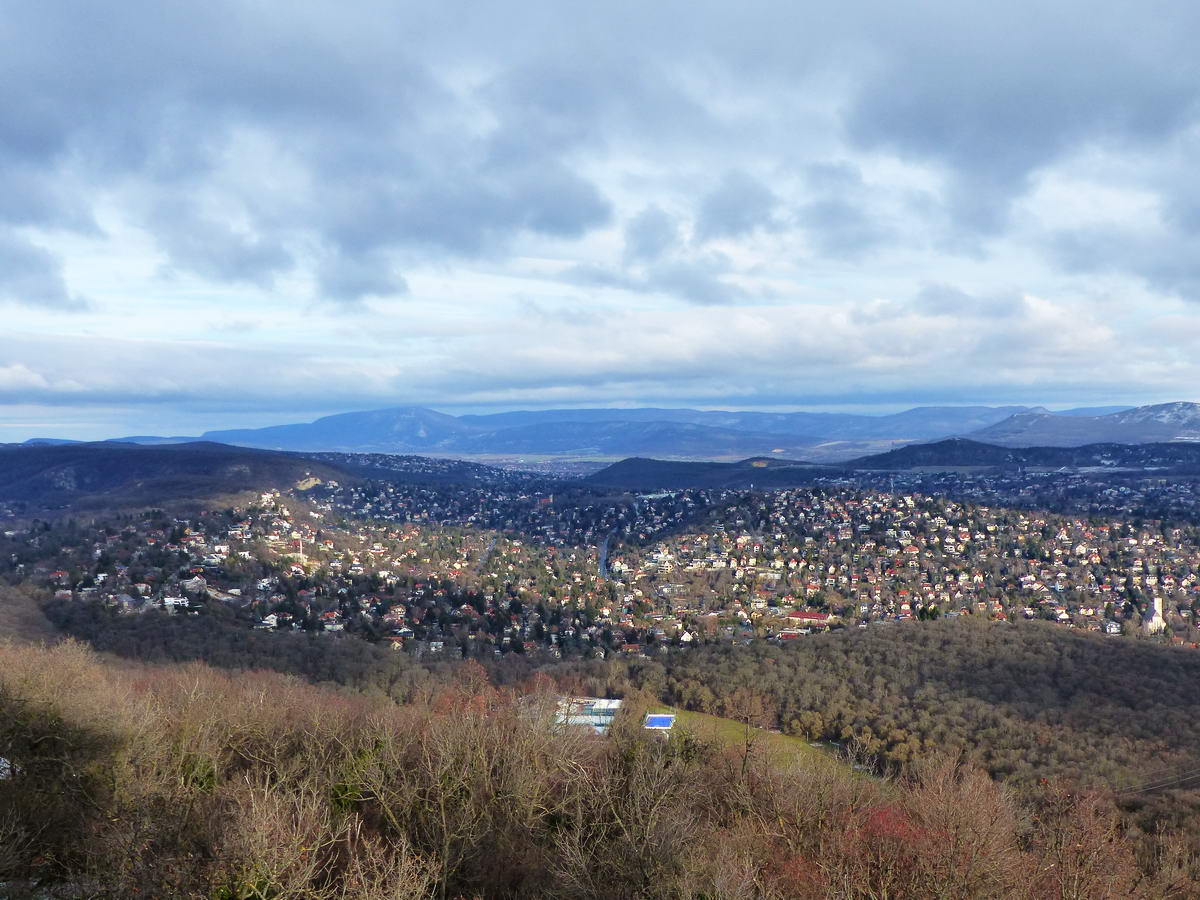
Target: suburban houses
{"type": "Point", "coordinates": [521, 565]}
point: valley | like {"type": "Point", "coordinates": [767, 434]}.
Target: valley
{"type": "Point", "coordinates": [1030, 613]}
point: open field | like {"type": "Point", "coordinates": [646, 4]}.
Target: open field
{"type": "Point", "coordinates": [734, 733]}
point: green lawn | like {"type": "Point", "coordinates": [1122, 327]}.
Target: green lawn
{"type": "Point", "coordinates": [734, 733]}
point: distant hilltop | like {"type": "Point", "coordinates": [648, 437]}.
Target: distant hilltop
{"type": "Point", "coordinates": [113, 474]}
{"type": "Point", "coordinates": [689, 434]}
{"type": "Point", "coordinates": [637, 474]}
{"type": "Point", "coordinates": [1163, 422]}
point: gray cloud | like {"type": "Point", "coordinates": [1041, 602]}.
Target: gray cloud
{"type": "Point", "coordinates": [947, 300]}
{"type": "Point", "coordinates": [32, 276]}
{"type": "Point", "coordinates": [739, 205]}
{"type": "Point", "coordinates": [840, 228]}
{"type": "Point", "coordinates": [994, 94]}
{"type": "Point", "coordinates": [350, 278]}
{"type": "Point", "coordinates": [29, 196]}
{"type": "Point", "coordinates": [1169, 263]}
{"type": "Point", "coordinates": [460, 211]}
{"type": "Point", "coordinates": [841, 219]}
{"type": "Point", "coordinates": [649, 235]}
{"type": "Point", "coordinates": [206, 245]}
{"type": "Point", "coordinates": [380, 153]}
{"type": "Point", "coordinates": [587, 275]}
{"type": "Point", "coordinates": [699, 279]}
{"type": "Point", "coordinates": [393, 149]}
{"type": "Point", "coordinates": [1177, 183]}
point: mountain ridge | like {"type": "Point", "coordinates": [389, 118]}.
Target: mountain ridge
{"type": "Point", "coordinates": [1156, 423]}
{"type": "Point", "coordinates": [682, 433]}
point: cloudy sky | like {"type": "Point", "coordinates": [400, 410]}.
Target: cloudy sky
{"type": "Point", "coordinates": [240, 213]}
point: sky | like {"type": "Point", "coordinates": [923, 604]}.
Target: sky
{"type": "Point", "coordinates": [229, 214]}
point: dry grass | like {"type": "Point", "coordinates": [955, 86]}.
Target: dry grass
{"type": "Point", "coordinates": [779, 746]}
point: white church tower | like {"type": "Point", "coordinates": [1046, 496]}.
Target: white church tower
{"type": "Point", "coordinates": [1154, 623]}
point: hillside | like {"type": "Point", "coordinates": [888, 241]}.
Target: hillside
{"type": "Point", "coordinates": [256, 785]}
{"type": "Point", "coordinates": [1026, 701]}
{"type": "Point", "coordinates": [1180, 458]}
{"type": "Point", "coordinates": [677, 439]}
{"type": "Point", "coordinates": [22, 617]}
{"type": "Point", "coordinates": [642, 474]}
{"type": "Point", "coordinates": [639, 474]}
{"type": "Point", "coordinates": [110, 473]}
{"type": "Point", "coordinates": [408, 469]}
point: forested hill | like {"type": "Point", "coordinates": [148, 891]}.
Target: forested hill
{"type": "Point", "coordinates": [410, 469]}
{"type": "Point", "coordinates": [959, 452]}
{"type": "Point", "coordinates": [75, 474]}
{"type": "Point", "coordinates": [642, 474]}
{"type": "Point", "coordinates": [1025, 700]}
{"type": "Point", "coordinates": [639, 474]}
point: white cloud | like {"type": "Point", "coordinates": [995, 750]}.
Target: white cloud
{"type": "Point", "coordinates": [19, 377]}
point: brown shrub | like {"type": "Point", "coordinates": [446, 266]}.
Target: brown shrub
{"type": "Point", "coordinates": [128, 780]}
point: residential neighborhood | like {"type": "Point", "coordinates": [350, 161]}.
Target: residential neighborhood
{"type": "Point", "coordinates": [524, 565]}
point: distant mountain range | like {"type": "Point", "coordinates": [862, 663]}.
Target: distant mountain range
{"type": "Point", "coordinates": [914, 424]}
{"type": "Point", "coordinates": [1141, 425]}
{"type": "Point", "coordinates": [707, 434]}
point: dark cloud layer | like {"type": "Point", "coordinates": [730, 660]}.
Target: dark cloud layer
{"type": "Point", "coordinates": [455, 131]}
{"type": "Point", "coordinates": [1169, 263]}
{"type": "Point", "coordinates": [995, 92]}
{"type": "Point", "coordinates": [208, 246]}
